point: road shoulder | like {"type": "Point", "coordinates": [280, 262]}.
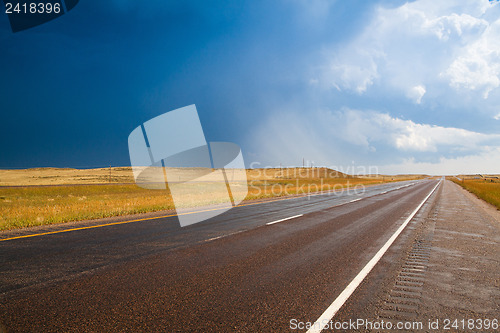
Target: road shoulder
{"type": "Point", "coordinates": [442, 271]}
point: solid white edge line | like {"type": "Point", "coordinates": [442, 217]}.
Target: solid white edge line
{"type": "Point", "coordinates": [286, 219]}
{"type": "Point", "coordinates": [325, 318]}
{"type": "Point", "coordinates": [355, 200]}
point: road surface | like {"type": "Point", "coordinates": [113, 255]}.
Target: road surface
{"type": "Point", "coordinates": [267, 267]}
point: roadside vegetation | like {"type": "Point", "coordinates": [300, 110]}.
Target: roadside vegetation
{"type": "Point", "coordinates": [38, 204]}
{"type": "Point", "coordinates": [484, 187]}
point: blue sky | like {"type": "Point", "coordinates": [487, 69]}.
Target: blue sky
{"type": "Point", "coordinates": [403, 87]}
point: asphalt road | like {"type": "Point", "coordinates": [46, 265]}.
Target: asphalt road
{"type": "Point", "coordinates": [234, 272]}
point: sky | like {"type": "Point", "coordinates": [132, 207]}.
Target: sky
{"type": "Point", "coordinates": [388, 86]}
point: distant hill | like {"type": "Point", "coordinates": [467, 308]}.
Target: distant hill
{"type": "Point", "coordinates": [123, 175]}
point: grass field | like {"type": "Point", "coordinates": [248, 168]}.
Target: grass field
{"type": "Point", "coordinates": [90, 196]}
{"type": "Point", "coordinates": [484, 187]}
{"type": "Point", "coordinates": [67, 176]}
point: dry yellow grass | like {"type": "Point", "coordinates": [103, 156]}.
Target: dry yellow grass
{"type": "Point", "coordinates": [67, 176]}
{"type": "Point", "coordinates": [38, 205]}
{"type": "Point", "coordinates": [485, 187]}
{"type": "Point", "coordinates": [30, 206]}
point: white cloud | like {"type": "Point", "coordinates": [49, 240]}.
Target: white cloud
{"type": "Point", "coordinates": [454, 26]}
{"type": "Point", "coordinates": [478, 65]}
{"type": "Point", "coordinates": [338, 137]}
{"type": "Point", "coordinates": [442, 56]}
{"type": "Point", "coordinates": [416, 93]}
{"type": "Point", "coordinates": [367, 128]}
{"type": "Point", "coordinates": [355, 71]}
{"type": "Point", "coordinates": [486, 162]}
{"type": "Point", "coordinates": [408, 135]}
{"type": "Point", "coordinates": [447, 49]}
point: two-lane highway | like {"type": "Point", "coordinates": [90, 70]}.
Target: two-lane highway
{"type": "Point", "coordinates": [252, 269]}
